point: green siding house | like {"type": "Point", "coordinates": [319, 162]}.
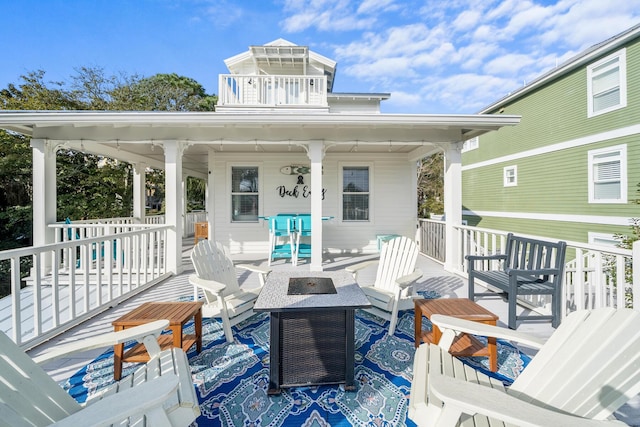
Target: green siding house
{"type": "Point", "coordinates": [571, 169]}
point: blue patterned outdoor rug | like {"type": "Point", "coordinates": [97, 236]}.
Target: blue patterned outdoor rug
{"type": "Point", "coordinates": [232, 378]}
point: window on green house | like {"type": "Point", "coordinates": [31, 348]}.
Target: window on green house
{"type": "Point", "coordinates": [608, 175]}
{"type": "Point", "coordinates": [607, 84]}
{"type": "Point", "coordinates": [510, 176]}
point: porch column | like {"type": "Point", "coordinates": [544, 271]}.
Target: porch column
{"type": "Point", "coordinates": [44, 195]}
{"type": "Point", "coordinates": [173, 203]}
{"type": "Point", "coordinates": [139, 191]}
{"type": "Point", "coordinates": [452, 203]}
{"type": "Point", "coordinates": [210, 196]}
{"type": "Point", "coordinates": [316, 154]}
{"type": "Point", "coordinates": [185, 196]}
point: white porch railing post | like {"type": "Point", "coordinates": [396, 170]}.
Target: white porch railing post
{"type": "Point", "coordinates": [210, 200]}
{"type": "Point", "coordinates": [635, 265]}
{"type": "Point", "coordinates": [139, 192]}
{"type": "Point", "coordinates": [173, 151]}
{"type": "Point", "coordinates": [44, 194]}
{"type": "Point", "coordinates": [452, 203]}
{"type": "Point", "coordinates": [316, 155]}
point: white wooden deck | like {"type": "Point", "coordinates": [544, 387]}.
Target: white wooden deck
{"type": "Point", "coordinates": [435, 279]}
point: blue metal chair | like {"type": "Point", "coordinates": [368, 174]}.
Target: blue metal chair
{"type": "Point", "coordinates": [281, 237]}
{"type": "Point", "coordinates": [303, 229]}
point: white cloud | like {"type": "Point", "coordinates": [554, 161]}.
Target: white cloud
{"type": "Point", "coordinates": [464, 54]}
{"type": "Point", "coordinates": [329, 15]}
{"type": "Point", "coordinates": [467, 20]}
{"type": "Point", "coordinates": [509, 64]}
{"type": "Point", "coordinates": [371, 6]}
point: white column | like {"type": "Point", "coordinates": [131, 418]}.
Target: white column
{"type": "Point", "coordinates": [173, 203]}
{"type": "Point", "coordinates": [184, 206]}
{"type": "Point", "coordinates": [316, 154]}
{"type": "Point", "coordinates": [210, 196]}
{"type": "Point", "coordinates": [44, 195]}
{"type": "Point", "coordinates": [452, 203]}
{"type": "Point", "coordinates": [139, 191]}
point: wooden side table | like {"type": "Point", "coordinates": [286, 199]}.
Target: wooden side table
{"type": "Point", "coordinates": [462, 308]}
{"type": "Point", "coordinates": [178, 313]}
{"type": "Point", "coordinates": [201, 231]}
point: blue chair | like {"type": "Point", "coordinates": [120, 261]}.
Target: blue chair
{"type": "Point", "coordinates": [281, 241]}
{"type": "Point", "coordinates": [303, 229]}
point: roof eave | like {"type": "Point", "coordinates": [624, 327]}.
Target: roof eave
{"type": "Point", "coordinates": [579, 60]}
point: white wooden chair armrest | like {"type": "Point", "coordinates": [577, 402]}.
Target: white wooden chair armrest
{"type": "Point", "coordinates": [210, 285]}
{"type": "Point", "coordinates": [448, 323]}
{"type": "Point", "coordinates": [461, 397]}
{"type": "Point", "coordinates": [406, 281]}
{"type": "Point", "coordinates": [357, 267]}
{"type": "Point", "coordinates": [146, 333]}
{"type": "Point", "coordinates": [146, 398]}
{"type": "Point", "coordinates": [263, 272]}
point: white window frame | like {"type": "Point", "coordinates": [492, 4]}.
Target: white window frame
{"type": "Point", "coordinates": [506, 177]}
{"type": "Point", "coordinates": [229, 187]}
{"type": "Point", "coordinates": [596, 238]}
{"type": "Point", "coordinates": [341, 167]}
{"type": "Point", "coordinates": [622, 158]}
{"type": "Point", "coordinates": [471, 144]}
{"type": "Point", "coordinates": [621, 56]}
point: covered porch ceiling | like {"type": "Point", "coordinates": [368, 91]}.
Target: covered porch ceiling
{"type": "Point", "coordinates": [137, 136]}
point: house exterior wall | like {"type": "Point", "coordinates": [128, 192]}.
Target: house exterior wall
{"type": "Point", "coordinates": [392, 190]}
{"type": "Point", "coordinates": [550, 150]}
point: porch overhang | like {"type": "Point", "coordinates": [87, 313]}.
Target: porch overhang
{"type": "Point", "coordinates": [133, 136]}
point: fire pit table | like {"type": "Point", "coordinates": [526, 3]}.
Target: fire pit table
{"type": "Point", "coordinates": [312, 327]}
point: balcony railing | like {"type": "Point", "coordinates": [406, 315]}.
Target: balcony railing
{"type": "Point", "coordinates": [75, 279]}
{"type": "Point", "coordinates": [272, 91]}
{"type": "Point", "coordinates": [595, 275]}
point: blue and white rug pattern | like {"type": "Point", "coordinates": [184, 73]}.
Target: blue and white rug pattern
{"type": "Point", "coordinates": [232, 379]}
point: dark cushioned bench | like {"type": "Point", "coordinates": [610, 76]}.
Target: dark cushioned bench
{"type": "Point", "coordinates": [529, 267]}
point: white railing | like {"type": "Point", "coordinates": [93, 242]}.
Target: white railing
{"type": "Point", "coordinates": [191, 219]}
{"type": "Point", "coordinates": [594, 274]}
{"type": "Point", "coordinates": [271, 91]}
{"type": "Point", "coordinates": [91, 268]}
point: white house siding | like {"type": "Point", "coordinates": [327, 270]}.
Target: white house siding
{"type": "Point", "coordinates": [392, 200]}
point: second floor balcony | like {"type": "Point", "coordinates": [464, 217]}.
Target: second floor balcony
{"type": "Point", "coordinates": [239, 91]}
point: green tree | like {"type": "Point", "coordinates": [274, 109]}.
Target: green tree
{"type": "Point", "coordinates": [431, 185]}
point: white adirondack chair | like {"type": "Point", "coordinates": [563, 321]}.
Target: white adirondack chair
{"type": "Point", "coordinates": [584, 372]}
{"type": "Point", "coordinates": [158, 393]}
{"type": "Point", "coordinates": [392, 290]}
{"type": "Point", "coordinates": [216, 276]}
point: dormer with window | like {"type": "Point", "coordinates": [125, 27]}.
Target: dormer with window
{"type": "Point", "coordinates": [284, 77]}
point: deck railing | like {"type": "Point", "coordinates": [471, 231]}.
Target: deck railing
{"type": "Point", "coordinates": [80, 276]}
{"type": "Point", "coordinates": [270, 91]}
{"type": "Point", "coordinates": [595, 275]}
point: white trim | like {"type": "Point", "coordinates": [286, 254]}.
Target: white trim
{"type": "Point", "coordinates": [471, 144]}
{"type": "Point", "coordinates": [573, 143]}
{"type": "Point", "coordinates": [341, 166]}
{"type": "Point", "coordinates": [593, 236]}
{"type": "Point", "coordinates": [506, 177]}
{"type": "Point", "coordinates": [621, 56]}
{"type": "Point", "coordinates": [229, 192]}
{"type": "Point", "coordinates": [622, 158]}
{"type": "Point", "coordinates": [586, 219]}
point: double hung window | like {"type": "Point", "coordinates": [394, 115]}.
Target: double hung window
{"type": "Point", "coordinates": [607, 84]}
{"type": "Point", "coordinates": [244, 193]}
{"type": "Point", "coordinates": [510, 176]}
{"type": "Point", "coordinates": [608, 175]}
{"type": "Point", "coordinates": [355, 193]}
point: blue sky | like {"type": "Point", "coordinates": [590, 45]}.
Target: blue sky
{"type": "Point", "coordinates": [453, 56]}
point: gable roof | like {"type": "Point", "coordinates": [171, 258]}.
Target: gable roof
{"type": "Point", "coordinates": [579, 60]}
